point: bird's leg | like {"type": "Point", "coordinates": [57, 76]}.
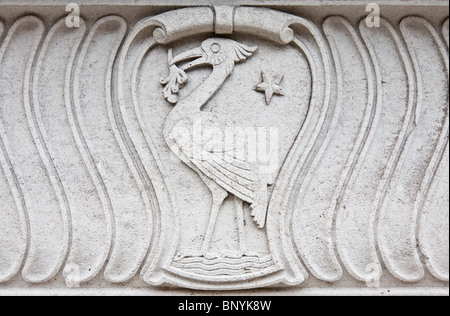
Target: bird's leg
{"type": "Point", "coordinates": [218, 196]}
{"type": "Point", "coordinates": [211, 224]}
{"type": "Point", "coordinates": [239, 207]}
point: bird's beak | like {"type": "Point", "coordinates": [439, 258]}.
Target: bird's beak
{"type": "Point", "coordinates": [197, 53]}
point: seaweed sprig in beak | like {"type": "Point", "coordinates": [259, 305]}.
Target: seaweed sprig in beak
{"type": "Point", "coordinates": [177, 77]}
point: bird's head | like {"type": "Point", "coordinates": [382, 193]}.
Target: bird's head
{"type": "Point", "coordinates": [217, 52]}
{"type": "Point", "coordinates": [220, 53]}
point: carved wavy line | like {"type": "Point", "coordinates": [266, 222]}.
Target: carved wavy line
{"type": "Point", "coordinates": [367, 120]}
{"type": "Point", "coordinates": [87, 163]}
{"type": "Point", "coordinates": [11, 175]}
{"type": "Point", "coordinates": [149, 203]}
{"type": "Point", "coordinates": [83, 146]}
{"type": "Point", "coordinates": [434, 222]}
{"type": "Point", "coordinates": [399, 212]}
{"type": "Point", "coordinates": [39, 141]}
{"type": "Point", "coordinates": [442, 142]}
{"type": "Point", "coordinates": [128, 206]}
{"type": "Point", "coordinates": [41, 152]}
{"type": "Point", "coordinates": [14, 259]}
{"type": "Point", "coordinates": [360, 142]}
{"type": "Point", "coordinates": [128, 149]}
{"type": "Point", "coordinates": [279, 222]}
{"type": "Point", "coordinates": [370, 199]}
{"type": "Point", "coordinates": [88, 160]}
{"type": "Point", "coordinates": [445, 32]}
{"type": "Point", "coordinates": [134, 138]}
{"type": "Point", "coordinates": [439, 149]}
{"type": "Point", "coordinates": [12, 264]}
{"type": "Point", "coordinates": [278, 195]}
{"type": "Point", "coordinates": [406, 118]}
{"type": "Point", "coordinates": [301, 153]}
{"type": "Point", "coordinates": [44, 260]}
{"type": "Point", "coordinates": [79, 130]}
{"type": "Point", "coordinates": [291, 169]}
{"type": "Point", "coordinates": [130, 152]}
{"type": "Point", "coordinates": [50, 170]}
{"type": "Point", "coordinates": [53, 121]}
{"type": "Point", "coordinates": [326, 267]}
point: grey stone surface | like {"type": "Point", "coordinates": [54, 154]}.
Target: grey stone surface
{"type": "Point", "coordinates": [265, 147]}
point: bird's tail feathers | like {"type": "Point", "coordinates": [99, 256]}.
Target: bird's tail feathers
{"type": "Point", "coordinates": [258, 209]}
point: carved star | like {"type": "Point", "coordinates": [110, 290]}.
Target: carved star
{"type": "Point", "coordinates": [270, 86]}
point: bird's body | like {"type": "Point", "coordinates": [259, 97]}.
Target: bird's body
{"type": "Point", "coordinates": [207, 143]}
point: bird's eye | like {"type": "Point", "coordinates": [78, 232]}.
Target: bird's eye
{"type": "Point", "coordinates": [215, 48]}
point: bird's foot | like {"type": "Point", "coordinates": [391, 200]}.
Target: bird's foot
{"type": "Point", "coordinates": [188, 254]}
{"type": "Point", "coordinates": [230, 254]}
{"type": "Point", "coordinates": [251, 254]}
{"type": "Point", "coordinates": [210, 255]}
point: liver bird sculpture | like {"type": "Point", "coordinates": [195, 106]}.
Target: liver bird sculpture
{"type": "Point", "coordinates": [212, 157]}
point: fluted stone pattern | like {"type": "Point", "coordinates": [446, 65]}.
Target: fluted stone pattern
{"type": "Point", "coordinates": [363, 190]}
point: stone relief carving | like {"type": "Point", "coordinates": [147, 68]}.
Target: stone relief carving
{"type": "Point", "coordinates": [224, 148]}
{"type": "Point", "coordinates": [270, 86]}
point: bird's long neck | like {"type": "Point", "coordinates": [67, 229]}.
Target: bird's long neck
{"type": "Point", "coordinates": [194, 102]}
{"type": "Point", "coordinates": [190, 107]}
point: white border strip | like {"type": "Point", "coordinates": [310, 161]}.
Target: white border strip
{"type": "Point", "coordinates": [227, 2]}
{"type": "Point", "coordinates": [424, 291]}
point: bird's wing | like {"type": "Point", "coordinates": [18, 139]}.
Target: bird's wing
{"type": "Point", "coordinates": [238, 177]}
